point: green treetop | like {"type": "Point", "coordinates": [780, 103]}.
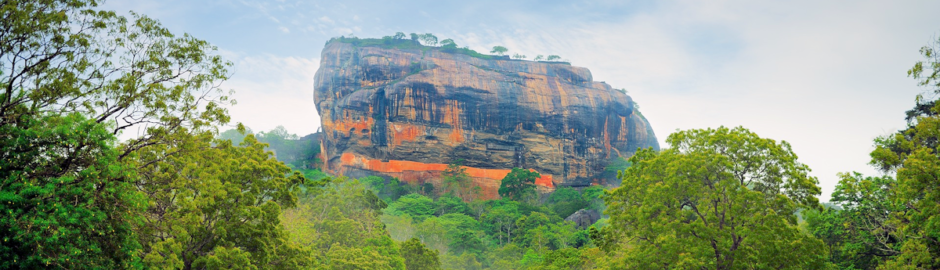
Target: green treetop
{"type": "Point", "coordinates": [517, 184]}
{"type": "Point", "coordinates": [717, 198]}
{"type": "Point", "coordinates": [912, 154]}
{"type": "Point", "coordinates": [500, 50]}
{"type": "Point", "coordinates": [419, 257]}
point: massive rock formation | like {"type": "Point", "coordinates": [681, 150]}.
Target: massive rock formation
{"type": "Point", "coordinates": [407, 113]}
{"type": "Point", "coordinates": [584, 218]}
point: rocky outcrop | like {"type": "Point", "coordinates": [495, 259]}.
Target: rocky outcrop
{"type": "Point", "coordinates": [584, 218]}
{"type": "Point", "coordinates": [407, 113]}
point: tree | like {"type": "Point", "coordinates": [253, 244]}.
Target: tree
{"type": "Point", "coordinates": [553, 58]}
{"type": "Point", "coordinates": [65, 200]}
{"type": "Point", "coordinates": [450, 204]}
{"type": "Point", "coordinates": [65, 57]}
{"type": "Point", "coordinates": [506, 257]}
{"type": "Point", "coordinates": [539, 57]}
{"type": "Point", "coordinates": [717, 198]}
{"type": "Point", "coordinates": [429, 39]}
{"type": "Point", "coordinates": [466, 261]}
{"type": "Point", "coordinates": [337, 221]}
{"type": "Point", "coordinates": [518, 56]}
{"type": "Point", "coordinates": [399, 35]}
{"type": "Point", "coordinates": [592, 195]}
{"type": "Point", "coordinates": [912, 154]}
{"type": "Point", "coordinates": [415, 37]}
{"type": "Point", "coordinates": [419, 257]}
{"type": "Point", "coordinates": [458, 182]}
{"type": "Point", "coordinates": [417, 206]}
{"type": "Point", "coordinates": [71, 79]}
{"type": "Point", "coordinates": [500, 50]}
{"type": "Point", "coordinates": [570, 258]}
{"type": "Point", "coordinates": [432, 233]}
{"type": "Point", "coordinates": [500, 221]}
{"type": "Point", "coordinates": [213, 198]}
{"type": "Point", "coordinates": [463, 233]}
{"type": "Point", "coordinates": [235, 135]}
{"type": "Point", "coordinates": [400, 228]}
{"type": "Point", "coordinates": [517, 183]}
{"type": "Point", "coordinates": [566, 200]}
{"type": "Point", "coordinates": [448, 44]}
{"type": "Point", "coordinates": [861, 235]}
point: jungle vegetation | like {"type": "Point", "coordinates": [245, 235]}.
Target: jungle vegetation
{"type": "Point", "coordinates": [183, 195]}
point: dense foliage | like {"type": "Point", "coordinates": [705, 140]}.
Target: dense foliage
{"type": "Point", "coordinates": [298, 152]}
{"type": "Point", "coordinates": [718, 198]}
{"type": "Point", "coordinates": [427, 41]}
{"type": "Point", "coordinates": [180, 195]}
{"type": "Point", "coordinates": [65, 201]}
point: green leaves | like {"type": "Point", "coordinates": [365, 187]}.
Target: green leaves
{"type": "Point", "coordinates": [719, 198]}
{"type": "Point", "coordinates": [65, 201]}
{"type": "Point", "coordinates": [912, 154]}
{"type": "Point", "coordinates": [65, 57]}
{"type": "Point", "coordinates": [419, 257]}
{"type": "Point", "coordinates": [211, 196]}
{"type": "Point", "coordinates": [458, 183]}
{"type": "Point", "coordinates": [518, 184]}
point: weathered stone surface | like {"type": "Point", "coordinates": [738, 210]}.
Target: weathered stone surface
{"type": "Point", "coordinates": [584, 218]}
{"type": "Point", "coordinates": [408, 113]}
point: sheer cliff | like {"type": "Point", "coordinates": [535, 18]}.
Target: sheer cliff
{"type": "Point", "coordinates": [408, 112]}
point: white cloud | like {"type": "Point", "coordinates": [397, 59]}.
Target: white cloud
{"type": "Point", "coordinates": [343, 30]}
{"type": "Point", "coordinates": [826, 77]}
{"type": "Point", "coordinates": [283, 29]}
{"type": "Point", "coordinates": [272, 91]}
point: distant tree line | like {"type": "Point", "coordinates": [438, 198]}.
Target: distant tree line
{"type": "Point", "coordinates": [431, 40]}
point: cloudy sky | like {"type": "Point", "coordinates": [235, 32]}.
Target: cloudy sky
{"type": "Point", "coordinates": [826, 76]}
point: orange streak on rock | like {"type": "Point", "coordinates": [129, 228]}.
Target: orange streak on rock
{"type": "Point", "coordinates": [349, 125]}
{"type": "Point", "coordinates": [347, 158]}
{"type": "Point", "coordinates": [623, 129]}
{"type": "Point", "coordinates": [410, 171]}
{"type": "Point", "coordinates": [401, 132]}
{"type": "Point", "coordinates": [607, 137]}
{"type": "Point", "coordinates": [452, 117]}
{"type": "Point", "coordinates": [545, 180]}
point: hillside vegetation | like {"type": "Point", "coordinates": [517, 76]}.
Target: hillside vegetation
{"type": "Point", "coordinates": [183, 195]}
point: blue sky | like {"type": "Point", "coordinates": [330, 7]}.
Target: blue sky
{"type": "Point", "coordinates": [826, 76]}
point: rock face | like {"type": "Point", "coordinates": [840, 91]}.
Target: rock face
{"type": "Point", "coordinates": [584, 218]}
{"type": "Point", "coordinates": [407, 113]}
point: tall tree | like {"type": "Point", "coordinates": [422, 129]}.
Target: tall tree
{"type": "Point", "coordinates": [448, 44]}
{"type": "Point", "coordinates": [66, 201]}
{"type": "Point", "coordinates": [71, 78]}
{"type": "Point", "coordinates": [500, 221]}
{"type": "Point", "coordinates": [500, 50]}
{"type": "Point", "coordinates": [64, 57]}
{"type": "Point", "coordinates": [214, 198]}
{"type": "Point", "coordinates": [861, 235]}
{"type": "Point", "coordinates": [517, 184]}
{"type": "Point", "coordinates": [419, 257]}
{"type": "Point", "coordinates": [912, 154]}
{"type": "Point", "coordinates": [429, 39]}
{"type": "Point", "coordinates": [717, 198]}
{"type": "Point", "coordinates": [338, 221]}
{"type": "Point", "coordinates": [458, 182]}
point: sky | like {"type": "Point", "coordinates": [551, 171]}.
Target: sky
{"type": "Point", "coordinates": [826, 76]}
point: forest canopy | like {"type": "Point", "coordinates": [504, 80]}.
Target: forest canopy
{"type": "Point", "coordinates": [183, 195]}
